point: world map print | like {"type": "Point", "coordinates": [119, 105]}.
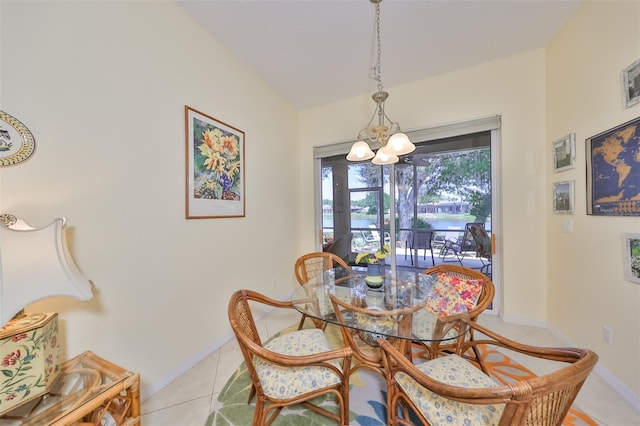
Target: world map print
{"type": "Point", "coordinates": [614, 172]}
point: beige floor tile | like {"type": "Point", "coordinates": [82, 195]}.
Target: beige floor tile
{"type": "Point", "coordinates": [191, 413]}
{"type": "Point", "coordinates": [187, 400]}
{"type": "Point", "coordinates": [195, 383]}
{"type": "Point", "coordinates": [605, 405]}
{"type": "Point", "coordinates": [228, 364]}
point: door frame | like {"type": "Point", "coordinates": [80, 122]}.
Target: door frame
{"type": "Point", "coordinates": [491, 123]}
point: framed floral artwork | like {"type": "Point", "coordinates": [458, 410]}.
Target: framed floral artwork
{"type": "Point", "coordinates": [564, 153]}
{"type": "Point", "coordinates": [631, 247]}
{"type": "Point", "coordinates": [563, 197]}
{"type": "Point", "coordinates": [214, 167]}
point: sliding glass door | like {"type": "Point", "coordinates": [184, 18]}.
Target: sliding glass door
{"type": "Point", "coordinates": [443, 185]}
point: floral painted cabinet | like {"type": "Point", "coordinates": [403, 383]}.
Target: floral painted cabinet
{"type": "Point", "coordinates": [29, 358]}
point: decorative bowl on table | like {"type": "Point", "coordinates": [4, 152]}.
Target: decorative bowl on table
{"type": "Point", "coordinates": [374, 328]}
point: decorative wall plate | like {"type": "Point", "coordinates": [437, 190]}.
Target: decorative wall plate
{"type": "Point", "coordinates": [16, 141]}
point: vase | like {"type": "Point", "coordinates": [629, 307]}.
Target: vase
{"type": "Point", "coordinates": [374, 275]}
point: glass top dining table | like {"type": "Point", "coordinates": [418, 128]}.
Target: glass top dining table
{"type": "Point", "coordinates": [397, 309]}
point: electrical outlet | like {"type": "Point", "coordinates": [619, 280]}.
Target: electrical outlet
{"type": "Point", "coordinates": [607, 334]}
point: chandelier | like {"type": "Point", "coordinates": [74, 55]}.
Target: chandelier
{"type": "Point", "coordinates": [383, 133]}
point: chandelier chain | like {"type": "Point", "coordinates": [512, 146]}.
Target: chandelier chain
{"type": "Point", "coordinates": [385, 133]}
{"type": "Point", "coordinates": [377, 68]}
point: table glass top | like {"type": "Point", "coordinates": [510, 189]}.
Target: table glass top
{"type": "Point", "coordinates": [396, 309]}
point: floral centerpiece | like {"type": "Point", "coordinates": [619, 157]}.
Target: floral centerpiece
{"type": "Point", "coordinates": [374, 257]}
{"type": "Point", "coordinates": [374, 262]}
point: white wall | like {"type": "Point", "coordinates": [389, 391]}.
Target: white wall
{"type": "Point", "coordinates": [587, 288]}
{"type": "Point", "coordinates": [102, 86]}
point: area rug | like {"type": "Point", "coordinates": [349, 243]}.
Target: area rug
{"type": "Point", "coordinates": [367, 395]}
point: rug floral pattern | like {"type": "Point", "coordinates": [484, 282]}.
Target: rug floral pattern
{"type": "Point", "coordinates": [367, 396]}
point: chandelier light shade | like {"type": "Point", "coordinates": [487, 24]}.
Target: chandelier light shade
{"type": "Point", "coordinates": [380, 131]}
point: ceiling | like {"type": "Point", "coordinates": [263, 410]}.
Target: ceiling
{"type": "Point", "coordinates": [315, 52]}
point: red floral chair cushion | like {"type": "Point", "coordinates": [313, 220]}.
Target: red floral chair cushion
{"type": "Point", "coordinates": [453, 295]}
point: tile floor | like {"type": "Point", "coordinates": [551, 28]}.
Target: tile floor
{"type": "Point", "coordinates": [187, 400]}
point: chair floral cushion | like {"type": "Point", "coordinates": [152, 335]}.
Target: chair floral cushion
{"type": "Point", "coordinates": [440, 411]}
{"type": "Point", "coordinates": [453, 295]}
{"type": "Point", "coordinates": [288, 382]}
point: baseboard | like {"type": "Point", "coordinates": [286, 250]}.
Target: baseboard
{"type": "Point", "coordinates": [147, 392]}
{"type": "Point", "coordinates": [523, 321]}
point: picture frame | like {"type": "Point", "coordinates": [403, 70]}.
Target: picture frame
{"type": "Point", "coordinates": [631, 84]}
{"type": "Point", "coordinates": [631, 256]}
{"type": "Point", "coordinates": [563, 197]}
{"type": "Point", "coordinates": [215, 171]}
{"type": "Point", "coordinates": [564, 153]}
{"type": "Point", "coordinates": [17, 143]}
{"type": "Point", "coordinates": [613, 171]}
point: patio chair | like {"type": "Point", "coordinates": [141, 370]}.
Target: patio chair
{"type": "Point", "coordinates": [452, 390]}
{"type": "Point", "coordinates": [459, 247]}
{"type": "Point", "coordinates": [482, 244]}
{"type": "Point", "coordinates": [421, 239]}
{"type": "Point", "coordinates": [341, 247]}
{"type": "Point", "coordinates": [312, 266]}
{"type": "Point", "coordinates": [476, 290]}
{"type": "Point", "coordinates": [293, 368]}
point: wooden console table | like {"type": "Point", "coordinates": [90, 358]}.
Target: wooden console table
{"type": "Point", "coordinates": [90, 391]}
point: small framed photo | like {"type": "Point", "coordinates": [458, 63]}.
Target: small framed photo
{"type": "Point", "coordinates": [631, 84]}
{"type": "Point", "coordinates": [631, 247]}
{"type": "Point", "coordinates": [564, 153]}
{"type": "Point", "coordinates": [214, 167]}
{"type": "Point", "coordinates": [563, 194]}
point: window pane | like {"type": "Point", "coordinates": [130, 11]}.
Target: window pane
{"type": "Point", "coordinates": [363, 175]}
{"type": "Point", "coordinates": [405, 200]}
{"type": "Point", "coordinates": [327, 205]}
{"type": "Point", "coordinates": [365, 210]}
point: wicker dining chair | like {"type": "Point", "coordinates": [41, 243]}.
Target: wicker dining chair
{"type": "Point", "coordinates": [312, 266]}
{"type": "Point", "coordinates": [453, 390]}
{"type": "Point", "coordinates": [293, 368]}
{"type": "Point", "coordinates": [484, 299]}
{"type": "Point", "coordinates": [366, 351]}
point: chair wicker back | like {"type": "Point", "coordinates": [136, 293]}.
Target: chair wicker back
{"type": "Point", "coordinates": [484, 299]}
{"type": "Point", "coordinates": [312, 265]}
{"type": "Point", "coordinates": [367, 354]}
{"type": "Point", "coordinates": [539, 401]}
{"type": "Point", "coordinates": [264, 364]}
